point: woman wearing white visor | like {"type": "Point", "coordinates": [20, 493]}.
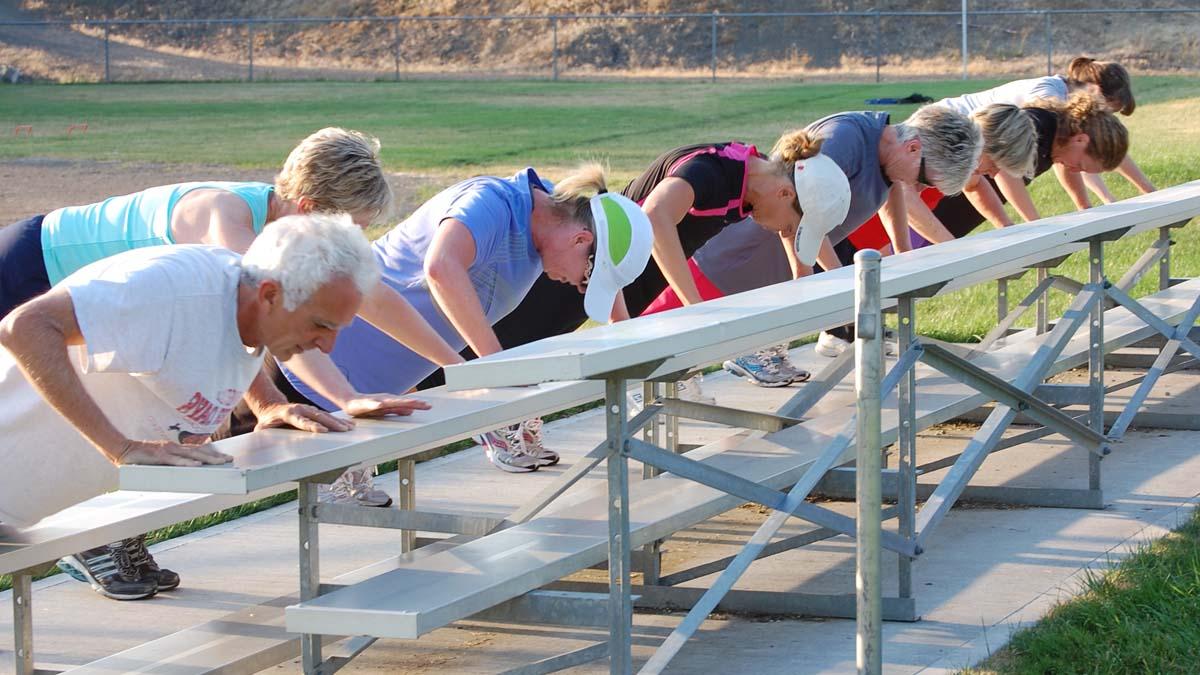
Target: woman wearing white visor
{"type": "Point", "coordinates": [464, 260]}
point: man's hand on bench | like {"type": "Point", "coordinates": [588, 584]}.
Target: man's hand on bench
{"type": "Point", "coordinates": [379, 405]}
{"type": "Point", "coordinates": [174, 454]}
{"type": "Point", "coordinates": [300, 416]}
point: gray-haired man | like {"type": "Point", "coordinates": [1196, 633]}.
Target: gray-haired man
{"type": "Point", "coordinates": [137, 358]}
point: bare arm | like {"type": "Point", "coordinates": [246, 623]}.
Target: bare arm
{"type": "Point", "coordinates": [894, 215]}
{"type": "Point", "coordinates": [922, 220]}
{"type": "Point", "coordinates": [666, 205]}
{"type": "Point", "coordinates": [38, 335]}
{"type": "Point", "coordinates": [388, 311]}
{"type": "Point", "coordinates": [827, 257]}
{"type": "Point", "coordinates": [1095, 183]}
{"type": "Point", "coordinates": [799, 269]}
{"type": "Point", "coordinates": [446, 268]}
{"type": "Point", "coordinates": [322, 374]}
{"type": "Point", "coordinates": [1017, 194]}
{"type": "Point", "coordinates": [620, 311]}
{"type": "Point", "coordinates": [272, 409]}
{"type": "Point", "coordinates": [1072, 182]}
{"type": "Point", "coordinates": [985, 200]}
{"type": "Point", "coordinates": [1133, 173]}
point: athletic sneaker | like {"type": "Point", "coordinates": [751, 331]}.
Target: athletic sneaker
{"type": "Point", "coordinates": [354, 487]}
{"type": "Point", "coordinates": [784, 362]}
{"type": "Point", "coordinates": [147, 567]}
{"type": "Point", "coordinates": [760, 368]}
{"type": "Point", "coordinates": [504, 448]}
{"type": "Point", "coordinates": [830, 345]}
{"type": "Point", "coordinates": [110, 572]}
{"type": "Point", "coordinates": [531, 437]}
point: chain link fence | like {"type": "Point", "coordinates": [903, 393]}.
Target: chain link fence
{"type": "Point", "coordinates": [843, 46]}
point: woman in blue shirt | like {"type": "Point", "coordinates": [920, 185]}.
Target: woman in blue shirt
{"type": "Point", "coordinates": [464, 260]}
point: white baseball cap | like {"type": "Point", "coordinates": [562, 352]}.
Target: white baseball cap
{"type": "Point", "coordinates": [824, 196]}
{"type": "Point", "coordinates": [624, 239]}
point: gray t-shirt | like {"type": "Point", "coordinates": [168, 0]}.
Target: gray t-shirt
{"type": "Point", "coordinates": [744, 256]}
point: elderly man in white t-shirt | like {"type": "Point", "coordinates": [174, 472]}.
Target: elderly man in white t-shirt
{"type": "Point", "coordinates": [138, 358]}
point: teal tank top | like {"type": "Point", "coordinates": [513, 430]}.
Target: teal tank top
{"type": "Point", "coordinates": [76, 236]}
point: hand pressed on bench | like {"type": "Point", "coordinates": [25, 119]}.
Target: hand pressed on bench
{"type": "Point", "coordinates": [379, 405]}
{"type": "Point", "coordinates": [173, 454]}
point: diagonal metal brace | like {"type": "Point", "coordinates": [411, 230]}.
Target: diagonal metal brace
{"type": "Point", "coordinates": [1168, 331]}
{"type": "Point", "coordinates": [750, 491]}
{"type": "Point", "coordinates": [743, 419]}
{"type": "Point", "coordinates": [1020, 401]}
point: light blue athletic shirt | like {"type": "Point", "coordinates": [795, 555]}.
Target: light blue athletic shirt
{"type": "Point", "coordinates": [497, 212]}
{"type": "Point", "coordinates": [76, 236]}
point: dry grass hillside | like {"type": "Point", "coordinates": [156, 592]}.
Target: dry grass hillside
{"type": "Point", "coordinates": [843, 45]}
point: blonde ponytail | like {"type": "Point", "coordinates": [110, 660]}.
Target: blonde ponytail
{"type": "Point", "coordinates": [572, 194]}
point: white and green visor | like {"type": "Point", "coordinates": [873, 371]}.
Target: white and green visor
{"type": "Point", "coordinates": [624, 239]}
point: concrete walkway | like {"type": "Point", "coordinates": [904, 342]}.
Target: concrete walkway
{"type": "Point", "coordinates": [986, 572]}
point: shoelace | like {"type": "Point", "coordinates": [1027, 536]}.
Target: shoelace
{"type": "Point", "coordinates": [361, 480]}
{"type": "Point", "coordinates": [138, 554]}
{"type": "Point", "coordinates": [512, 438]}
{"type": "Point", "coordinates": [122, 563]}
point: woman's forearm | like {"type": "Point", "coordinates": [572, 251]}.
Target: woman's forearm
{"type": "Point", "coordinates": [388, 311]}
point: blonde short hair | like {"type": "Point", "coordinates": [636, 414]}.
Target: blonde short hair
{"type": "Point", "coordinates": [1009, 137]}
{"type": "Point", "coordinates": [950, 144]}
{"type": "Point", "coordinates": [338, 171]}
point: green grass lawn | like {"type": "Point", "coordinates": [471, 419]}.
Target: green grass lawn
{"type": "Point", "coordinates": [1141, 616]}
{"type": "Point", "coordinates": [456, 129]}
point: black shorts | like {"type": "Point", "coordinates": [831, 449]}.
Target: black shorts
{"type": "Point", "coordinates": [22, 269]}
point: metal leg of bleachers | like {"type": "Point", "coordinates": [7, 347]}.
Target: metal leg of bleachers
{"type": "Point", "coordinates": [651, 433]}
{"type": "Point", "coordinates": [671, 428]}
{"type": "Point", "coordinates": [407, 471]}
{"type": "Point", "coordinates": [1095, 358]}
{"type": "Point", "coordinates": [868, 369]}
{"type": "Point", "coordinates": [22, 602]}
{"type": "Point", "coordinates": [310, 572]}
{"type": "Point", "coordinates": [1164, 262]}
{"type": "Point", "coordinates": [1042, 302]}
{"type": "Point", "coordinates": [620, 601]}
{"type": "Point", "coordinates": [906, 441]}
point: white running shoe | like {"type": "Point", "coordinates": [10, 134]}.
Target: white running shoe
{"type": "Point", "coordinates": [504, 449]}
{"type": "Point", "coordinates": [531, 436]}
{"type": "Point", "coordinates": [355, 487]}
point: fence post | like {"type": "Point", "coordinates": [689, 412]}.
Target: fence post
{"type": "Point", "coordinates": [964, 38]}
{"type": "Point", "coordinates": [396, 46]}
{"type": "Point", "coordinates": [713, 33]}
{"type": "Point", "coordinates": [878, 45]}
{"type": "Point", "coordinates": [250, 52]}
{"type": "Point", "coordinates": [1049, 47]}
{"type": "Point", "coordinates": [554, 52]}
{"type": "Point", "coordinates": [107, 72]}
{"type": "Point", "coordinates": [868, 356]}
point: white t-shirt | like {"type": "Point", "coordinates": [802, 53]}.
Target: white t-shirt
{"type": "Point", "coordinates": [1016, 93]}
{"type": "Point", "coordinates": [163, 359]}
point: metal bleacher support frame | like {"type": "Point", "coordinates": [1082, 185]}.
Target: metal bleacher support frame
{"type": "Point", "coordinates": [660, 450]}
{"type": "Point", "coordinates": [1021, 395]}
